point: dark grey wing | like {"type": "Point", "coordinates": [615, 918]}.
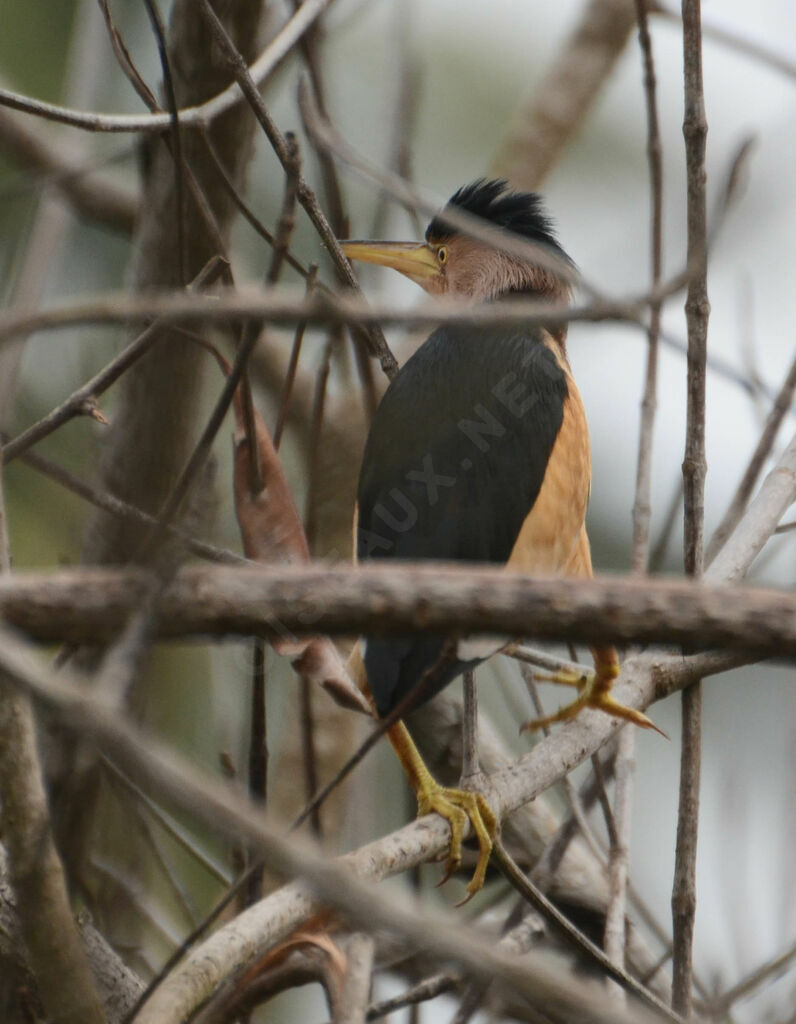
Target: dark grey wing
{"type": "Point", "coordinates": [454, 461]}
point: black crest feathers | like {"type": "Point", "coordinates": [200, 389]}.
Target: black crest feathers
{"type": "Point", "coordinates": [494, 201]}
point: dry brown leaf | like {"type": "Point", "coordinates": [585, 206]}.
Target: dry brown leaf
{"type": "Point", "coordinates": [271, 531]}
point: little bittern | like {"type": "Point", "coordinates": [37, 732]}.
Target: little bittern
{"type": "Point", "coordinates": [479, 452]}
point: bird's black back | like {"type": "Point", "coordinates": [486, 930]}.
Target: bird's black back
{"type": "Point", "coordinates": [453, 464]}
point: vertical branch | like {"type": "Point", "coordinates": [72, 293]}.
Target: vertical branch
{"type": "Point", "coordinates": [618, 868]}
{"type": "Point", "coordinates": [642, 503]}
{"type": "Point", "coordinates": [697, 310]}
{"type": "Point", "coordinates": [292, 367]}
{"type": "Point", "coordinates": [309, 750]}
{"type": "Point", "coordinates": [306, 196]}
{"type": "Point", "coordinates": [697, 306]}
{"type": "Point", "coordinates": [258, 740]}
{"type": "Point", "coordinates": [284, 232]}
{"type": "Point", "coordinates": [354, 998]}
{"type": "Point", "coordinates": [471, 766]}
{"type": "Point", "coordinates": [258, 754]}
{"type": "Point", "coordinates": [318, 407]}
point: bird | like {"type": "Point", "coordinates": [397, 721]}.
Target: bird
{"type": "Point", "coordinates": [478, 452]}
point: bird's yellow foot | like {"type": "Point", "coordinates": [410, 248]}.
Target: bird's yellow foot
{"type": "Point", "coordinates": [594, 691]}
{"type": "Point", "coordinates": [456, 806]}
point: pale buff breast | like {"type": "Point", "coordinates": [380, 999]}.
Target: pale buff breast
{"type": "Point", "coordinates": [550, 541]}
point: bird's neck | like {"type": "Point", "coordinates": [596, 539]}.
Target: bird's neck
{"type": "Point", "coordinates": [544, 286]}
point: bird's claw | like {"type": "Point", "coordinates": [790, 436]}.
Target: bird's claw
{"type": "Point", "coordinates": [594, 691]}
{"type": "Point", "coordinates": [457, 806]}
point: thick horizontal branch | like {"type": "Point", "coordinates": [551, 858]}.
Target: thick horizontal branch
{"type": "Point", "coordinates": [90, 605]}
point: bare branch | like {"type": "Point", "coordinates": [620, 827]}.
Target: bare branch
{"type": "Point", "coordinates": [782, 405]}
{"type": "Point", "coordinates": [354, 998]}
{"type": "Point", "coordinates": [87, 605]}
{"type": "Point", "coordinates": [619, 864]}
{"type": "Point", "coordinates": [305, 194]}
{"type": "Point", "coordinates": [758, 977]}
{"type": "Point", "coordinates": [287, 306]}
{"type": "Point", "coordinates": [117, 507]}
{"type": "Point", "coordinates": [697, 308]}
{"type": "Point", "coordinates": [537, 899]}
{"type": "Point", "coordinates": [204, 114]}
{"type": "Point", "coordinates": [641, 507]}
{"type": "Point", "coordinates": [223, 808]}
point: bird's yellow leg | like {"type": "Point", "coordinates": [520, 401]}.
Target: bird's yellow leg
{"type": "Point", "coordinates": [456, 806]}
{"type": "Point", "coordinates": [594, 691]}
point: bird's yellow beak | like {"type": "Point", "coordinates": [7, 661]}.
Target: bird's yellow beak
{"type": "Point", "coordinates": [414, 259]}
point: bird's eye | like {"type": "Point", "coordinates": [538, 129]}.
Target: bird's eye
{"type": "Point", "coordinates": [442, 255]}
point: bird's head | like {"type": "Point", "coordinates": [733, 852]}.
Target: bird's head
{"type": "Point", "coordinates": [451, 262]}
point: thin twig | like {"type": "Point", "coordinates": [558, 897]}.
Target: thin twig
{"type": "Point", "coordinates": [776, 966]}
{"type": "Point", "coordinates": [424, 991]}
{"type": "Point", "coordinates": [619, 822]}
{"type": "Point", "coordinates": [642, 504]}
{"type": "Point", "coordinates": [173, 881]}
{"type": "Point", "coordinates": [316, 427]}
{"type": "Point", "coordinates": [83, 401]}
{"type": "Point", "coordinates": [130, 890]}
{"type": "Point", "coordinates": [287, 216]}
{"type": "Point", "coordinates": [191, 471]}
{"type": "Point", "coordinates": [285, 306]}
{"type": "Point", "coordinates": [174, 831]}
{"type": "Point", "coordinates": [552, 855]}
{"type": "Point", "coordinates": [202, 115]}
{"type": "Point", "coordinates": [601, 790]}
{"type": "Point", "coordinates": [117, 507]}
{"type": "Point", "coordinates": [309, 46]}
{"type": "Point", "coordinates": [673, 510]}
{"type": "Point", "coordinates": [694, 469]}
{"type": "Point", "coordinates": [125, 61]}
{"type": "Point", "coordinates": [305, 194]}
{"type": "Point", "coordinates": [292, 367]}
{"type": "Point", "coordinates": [284, 232]}
{"type": "Point", "coordinates": [540, 902]}
{"type": "Point", "coordinates": [258, 755]}
{"type": "Point", "coordinates": [243, 207]}
{"type": "Point", "coordinates": [782, 405]}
